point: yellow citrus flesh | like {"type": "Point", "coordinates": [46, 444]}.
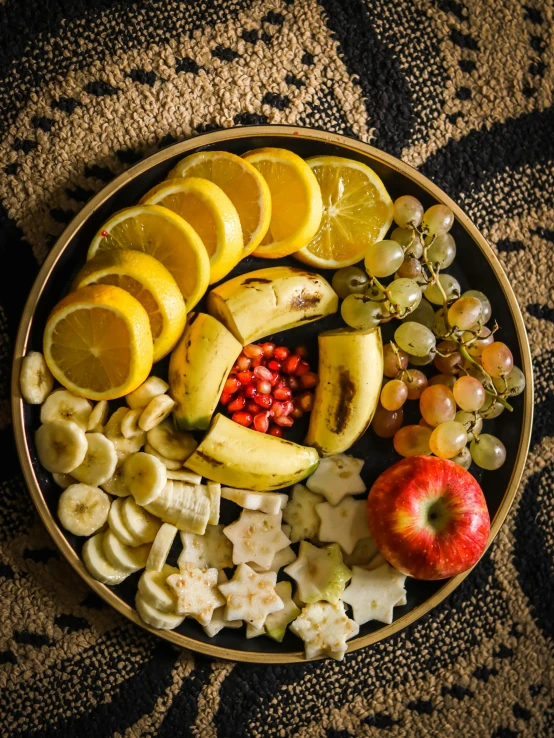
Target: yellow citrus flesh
{"type": "Point", "coordinates": [210, 212]}
{"type": "Point", "coordinates": [357, 211]}
{"type": "Point", "coordinates": [98, 343]}
{"type": "Point", "coordinates": [164, 235]}
{"type": "Point", "coordinates": [243, 185]}
{"type": "Point", "coordinates": [296, 204]}
{"type": "Point", "coordinates": [150, 283]}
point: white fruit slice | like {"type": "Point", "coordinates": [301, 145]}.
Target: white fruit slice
{"type": "Point", "coordinates": [377, 561]}
{"type": "Point", "coordinates": [83, 509]}
{"type": "Point", "coordinates": [362, 554]}
{"type": "Point", "coordinates": [337, 476]}
{"type": "Point", "coordinates": [64, 405]}
{"type": "Point", "coordinates": [100, 460]}
{"type": "Point", "coordinates": [123, 446]}
{"type": "Point", "coordinates": [129, 423]}
{"type": "Point", "coordinates": [63, 480]}
{"type": "Point", "coordinates": [276, 624]}
{"type": "Point", "coordinates": [252, 632]}
{"type": "Point", "coordinates": [282, 558]}
{"type": "Point", "coordinates": [116, 483]}
{"type": "Point", "coordinates": [324, 628]}
{"type": "Point", "coordinates": [214, 497]}
{"type": "Point", "coordinates": [156, 618]}
{"type": "Point", "coordinates": [345, 523]}
{"type": "Point", "coordinates": [117, 524]}
{"type": "Point", "coordinates": [171, 443]}
{"type": "Point", "coordinates": [319, 573]}
{"type": "Point", "coordinates": [36, 380]}
{"type": "Point", "coordinates": [213, 550]}
{"type": "Point", "coordinates": [373, 594]}
{"type": "Point", "coordinates": [145, 475]}
{"type": "Point", "coordinates": [61, 446]}
{"type": "Point", "coordinates": [98, 417]}
{"type": "Point", "coordinates": [169, 464]}
{"type": "Point", "coordinates": [184, 476]}
{"type": "Point", "coordinates": [267, 502]}
{"type": "Point", "coordinates": [251, 596]}
{"type": "Point", "coordinates": [197, 592]}
{"type": "Point", "coordinates": [256, 537]}
{"type": "Point", "coordinates": [149, 389]}
{"type": "Point", "coordinates": [142, 525]}
{"type": "Point", "coordinates": [98, 565]}
{"type": "Point", "coordinates": [157, 410]}
{"type": "Point", "coordinates": [301, 514]}
{"type": "Point", "coordinates": [219, 621]}
{"type": "Point", "coordinates": [185, 506]}
{"type": "Point", "coordinates": [155, 591]}
{"type": "Point", "coordinates": [126, 558]}
{"type": "Point", "coordinates": [161, 547]}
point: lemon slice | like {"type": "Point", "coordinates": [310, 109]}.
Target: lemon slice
{"type": "Point", "coordinates": [212, 215]}
{"type": "Point", "coordinates": [296, 205]}
{"type": "Point", "coordinates": [243, 185]}
{"type": "Point", "coordinates": [98, 343]}
{"type": "Point", "coordinates": [165, 236]}
{"type": "Point", "coordinates": [357, 211]}
{"type": "Point", "coordinates": [150, 282]}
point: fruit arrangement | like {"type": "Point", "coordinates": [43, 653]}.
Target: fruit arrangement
{"type": "Point", "coordinates": [189, 476]}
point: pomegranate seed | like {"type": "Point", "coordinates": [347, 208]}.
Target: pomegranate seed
{"type": "Point", "coordinates": [276, 431]}
{"type": "Point", "coordinates": [265, 401]}
{"type": "Point", "coordinates": [225, 397]}
{"type": "Point", "coordinates": [234, 370]}
{"type": "Point", "coordinates": [293, 383]}
{"type": "Point", "coordinates": [257, 361]}
{"type": "Point", "coordinates": [280, 353]}
{"type": "Point", "coordinates": [237, 404]}
{"type": "Point", "coordinates": [289, 407]}
{"type": "Point", "coordinates": [261, 372]}
{"type": "Point", "coordinates": [306, 401]}
{"type": "Point", "coordinates": [297, 413]}
{"type": "Point", "coordinates": [263, 387]}
{"type": "Point", "coordinates": [275, 377]}
{"type": "Point", "coordinates": [243, 363]}
{"type": "Point", "coordinates": [308, 380]}
{"type": "Point", "coordinates": [250, 390]}
{"type": "Point", "coordinates": [282, 393]}
{"type": "Point", "coordinates": [231, 385]}
{"type": "Point", "coordinates": [284, 420]}
{"type": "Point", "coordinates": [278, 409]}
{"type": "Point", "coordinates": [245, 377]}
{"type": "Point", "coordinates": [251, 407]}
{"type": "Point", "coordinates": [274, 365]}
{"type": "Point", "coordinates": [268, 349]}
{"type": "Point", "coordinates": [290, 364]}
{"type": "Point", "coordinates": [261, 422]}
{"type": "Point", "coordinates": [301, 351]}
{"type": "Point", "coordinates": [302, 368]}
{"type": "Point", "coordinates": [253, 351]}
{"type": "Point", "coordinates": [282, 382]}
{"type": "Point", "coordinates": [242, 419]}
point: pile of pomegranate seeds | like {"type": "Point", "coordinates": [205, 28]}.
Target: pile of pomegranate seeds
{"type": "Point", "coordinates": [268, 387]}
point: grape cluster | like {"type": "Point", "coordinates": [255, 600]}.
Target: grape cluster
{"type": "Point", "coordinates": [438, 325]}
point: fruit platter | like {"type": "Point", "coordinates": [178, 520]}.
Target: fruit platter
{"type": "Point", "coordinates": [272, 394]}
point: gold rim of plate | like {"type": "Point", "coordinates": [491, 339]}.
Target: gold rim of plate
{"type": "Point", "coordinates": [220, 137]}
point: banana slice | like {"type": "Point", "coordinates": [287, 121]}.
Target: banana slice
{"type": "Point", "coordinates": [156, 618]}
{"type": "Point", "coordinates": [156, 412]}
{"type": "Point", "coordinates": [118, 526]}
{"type": "Point", "coordinates": [36, 380]}
{"type": "Point", "coordinates": [168, 463]}
{"type": "Point", "coordinates": [129, 423]}
{"type": "Point", "coordinates": [64, 405]}
{"type": "Point", "coordinates": [142, 525]}
{"type": "Point", "coordinates": [100, 460]}
{"type": "Point", "coordinates": [214, 497]}
{"type": "Point", "coordinates": [145, 475]}
{"type": "Point", "coordinates": [98, 416]}
{"type": "Point", "coordinates": [171, 443]}
{"type": "Point", "coordinates": [161, 547]}
{"type": "Point", "coordinates": [98, 565]}
{"type": "Point", "coordinates": [267, 502]}
{"type": "Point", "coordinates": [154, 590]}
{"type": "Point", "coordinates": [182, 475]}
{"type": "Point", "coordinates": [116, 484]}
{"type": "Point", "coordinates": [63, 480]}
{"type": "Point", "coordinates": [182, 505]}
{"type": "Point", "coordinates": [126, 558]}
{"type": "Point", "coordinates": [83, 509]}
{"type": "Point", "coordinates": [149, 389]}
{"type": "Point", "coordinates": [123, 446]}
{"type": "Point", "coordinates": [61, 446]}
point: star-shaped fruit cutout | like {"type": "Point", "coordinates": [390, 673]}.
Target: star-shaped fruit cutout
{"type": "Point", "coordinates": [219, 621]}
{"type": "Point", "coordinates": [251, 596]}
{"type": "Point", "coordinates": [256, 537]}
{"type": "Point", "coordinates": [211, 550]}
{"type": "Point", "coordinates": [196, 591]}
{"type": "Point", "coordinates": [324, 628]}
{"type": "Point", "coordinates": [373, 594]}
{"type": "Point", "coordinates": [337, 476]}
{"type": "Point", "coordinates": [300, 513]}
{"type": "Point", "coordinates": [345, 523]}
{"type": "Point", "coordinates": [319, 573]}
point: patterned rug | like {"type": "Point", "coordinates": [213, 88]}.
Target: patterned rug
{"type": "Point", "coordinates": [462, 90]}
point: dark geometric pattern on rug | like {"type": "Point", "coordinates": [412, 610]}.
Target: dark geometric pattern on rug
{"type": "Point", "coordinates": [462, 90]}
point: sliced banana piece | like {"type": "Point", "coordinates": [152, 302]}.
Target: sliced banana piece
{"type": "Point", "coordinates": [116, 483]}
{"type": "Point", "coordinates": [35, 380]}
{"type": "Point", "coordinates": [118, 526]}
{"type": "Point", "coordinates": [98, 417]}
{"type": "Point", "coordinates": [145, 475]}
{"type": "Point", "coordinates": [214, 497]}
{"type": "Point", "coordinates": [83, 509]}
{"type": "Point", "coordinates": [100, 460]}
{"type": "Point", "coordinates": [129, 424]}
{"type": "Point", "coordinates": [171, 443]}
{"type": "Point", "coordinates": [161, 547]}
{"type": "Point", "coordinates": [185, 506]}
{"type": "Point", "coordinates": [64, 405]}
{"type": "Point", "coordinates": [182, 475]}
{"type": "Point", "coordinates": [98, 565]}
{"type": "Point", "coordinates": [155, 591]}
{"type": "Point", "coordinates": [169, 464]}
{"type": "Point", "coordinates": [123, 446]}
{"type": "Point", "coordinates": [149, 389]}
{"type": "Point", "coordinates": [156, 412]}
{"type": "Point", "coordinates": [142, 525]}
{"type": "Point", "coordinates": [61, 446]}
{"type": "Point", "coordinates": [126, 558]}
{"type": "Point", "coordinates": [156, 618]}
{"type": "Point", "coordinates": [63, 480]}
{"type": "Point", "coordinates": [267, 502]}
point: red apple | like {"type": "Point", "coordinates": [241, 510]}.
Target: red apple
{"type": "Point", "coordinates": [428, 517]}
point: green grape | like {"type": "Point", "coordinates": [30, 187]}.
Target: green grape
{"type": "Point", "coordinates": [469, 394]}
{"type": "Point", "coordinates": [448, 439]}
{"type": "Point", "coordinates": [394, 394]}
{"type": "Point", "coordinates": [497, 359]}
{"type": "Point", "coordinates": [414, 339]}
{"type": "Point", "coordinates": [470, 421]}
{"type": "Point", "coordinates": [442, 250]}
{"type": "Point", "coordinates": [465, 312]}
{"type": "Point", "coordinates": [439, 326]}
{"type": "Point", "coordinates": [491, 408]}
{"type": "Point", "coordinates": [475, 349]}
{"type": "Point", "coordinates": [410, 240]}
{"type": "Point", "coordinates": [450, 285]}
{"type": "Point", "coordinates": [447, 379]}
{"type": "Point", "coordinates": [407, 210]}
{"type": "Point", "coordinates": [409, 269]}
{"type": "Point", "coordinates": [361, 313]}
{"type": "Point", "coordinates": [421, 360]}
{"type": "Point", "coordinates": [349, 280]}
{"type": "Point", "coordinates": [423, 314]}
{"type": "Point", "coordinates": [486, 309]}
{"type": "Point", "coordinates": [412, 440]}
{"type": "Point", "coordinates": [406, 293]}
{"type": "Point", "coordinates": [488, 452]}
{"type": "Point", "coordinates": [513, 384]}
{"type": "Point", "coordinates": [437, 404]}
{"type": "Point", "coordinates": [383, 258]}
{"type": "Point", "coordinates": [438, 220]}
{"type": "Point", "coordinates": [463, 459]}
